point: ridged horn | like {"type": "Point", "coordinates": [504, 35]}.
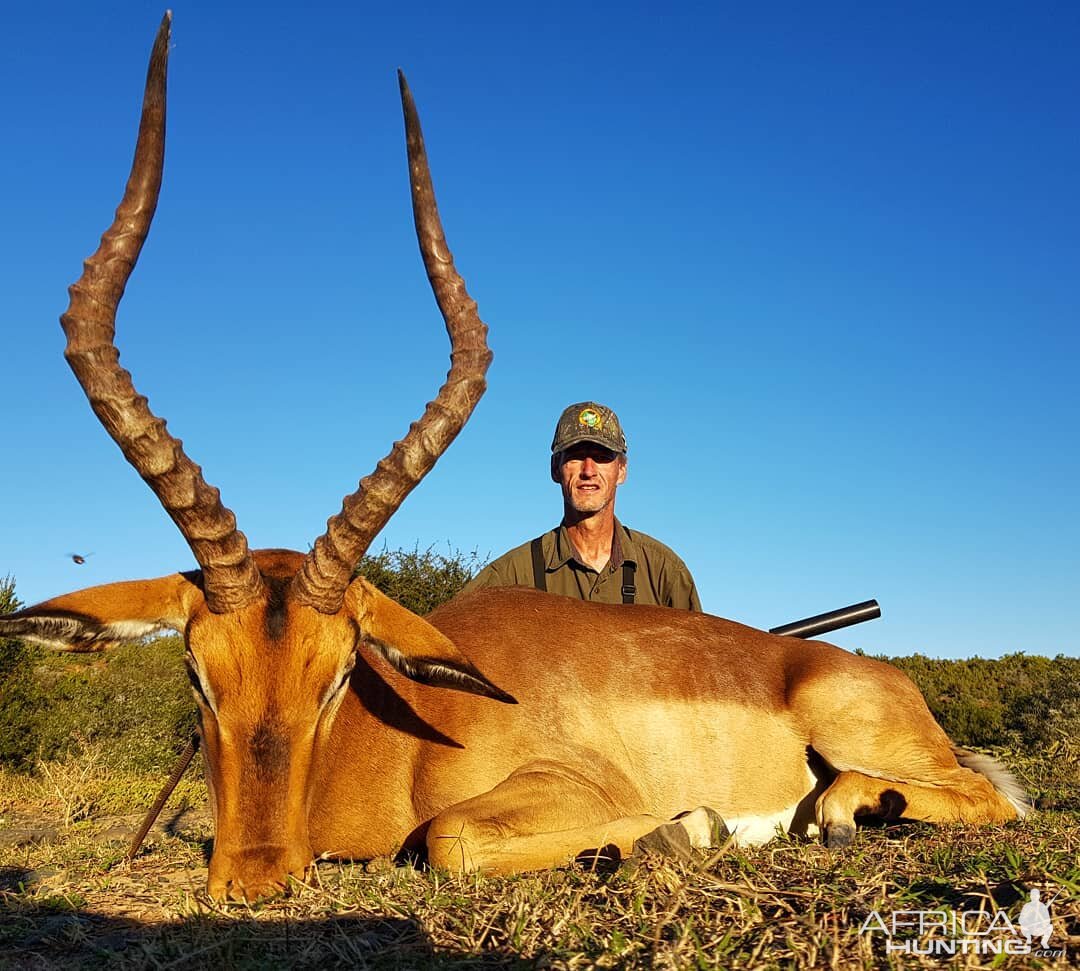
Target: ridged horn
{"type": "Point", "coordinates": [230, 578]}
{"type": "Point", "coordinates": [326, 572]}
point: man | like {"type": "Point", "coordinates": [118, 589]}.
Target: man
{"type": "Point", "coordinates": [591, 555]}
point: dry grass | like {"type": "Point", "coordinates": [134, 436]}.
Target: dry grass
{"type": "Point", "coordinates": [68, 898]}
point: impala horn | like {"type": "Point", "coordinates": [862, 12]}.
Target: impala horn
{"type": "Point", "coordinates": [329, 567]}
{"type": "Point", "coordinates": [230, 577]}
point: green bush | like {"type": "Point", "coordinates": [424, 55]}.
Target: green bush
{"type": "Point", "coordinates": [1016, 701]}
{"type": "Point", "coordinates": [420, 579]}
{"type": "Point", "coordinates": [21, 704]}
{"type": "Point", "coordinates": [135, 701]}
{"type": "Point", "coordinates": [9, 603]}
{"type": "Point", "coordinates": [20, 708]}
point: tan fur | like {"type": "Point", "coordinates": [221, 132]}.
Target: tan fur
{"type": "Point", "coordinates": [625, 717]}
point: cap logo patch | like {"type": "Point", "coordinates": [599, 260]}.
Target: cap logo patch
{"type": "Point", "coordinates": [591, 419]}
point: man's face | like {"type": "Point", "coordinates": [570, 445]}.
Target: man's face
{"type": "Point", "coordinates": [589, 475]}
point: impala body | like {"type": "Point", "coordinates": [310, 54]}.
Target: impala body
{"type": "Point", "coordinates": [509, 730]}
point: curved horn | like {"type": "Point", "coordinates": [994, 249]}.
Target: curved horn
{"type": "Point", "coordinates": [328, 569]}
{"type": "Point", "coordinates": [230, 578]}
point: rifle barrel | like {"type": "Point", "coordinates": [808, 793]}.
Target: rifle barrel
{"type": "Point", "coordinates": [833, 620]}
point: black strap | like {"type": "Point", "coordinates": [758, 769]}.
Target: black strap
{"type": "Point", "coordinates": [628, 588]}
{"type": "Point", "coordinates": [539, 566]}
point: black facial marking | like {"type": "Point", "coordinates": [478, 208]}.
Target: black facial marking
{"type": "Point", "coordinates": [274, 618]}
{"type": "Point", "coordinates": [269, 749]}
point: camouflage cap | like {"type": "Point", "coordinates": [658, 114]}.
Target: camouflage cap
{"type": "Point", "coordinates": [588, 421]}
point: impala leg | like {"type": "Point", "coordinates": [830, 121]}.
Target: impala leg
{"type": "Point", "coordinates": [543, 815]}
{"type": "Point", "coordinates": [963, 797]}
{"type": "Point", "coordinates": [875, 729]}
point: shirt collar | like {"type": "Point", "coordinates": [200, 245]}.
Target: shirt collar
{"type": "Point", "coordinates": [623, 549]}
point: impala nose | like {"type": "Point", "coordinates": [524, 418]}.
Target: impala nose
{"type": "Point", "coordinates": [254, 873]}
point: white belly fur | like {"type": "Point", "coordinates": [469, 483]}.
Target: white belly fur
{"type": "Point", "coordinates": [755, 830]}
{"type": "Point", "coordinates": [752, 830]}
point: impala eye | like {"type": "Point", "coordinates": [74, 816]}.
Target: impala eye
{"type": "Point", "coordinates": [195, 680]}
{"type": "Point", "coordinates": [337, 688]}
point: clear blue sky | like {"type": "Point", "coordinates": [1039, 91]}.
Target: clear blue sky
{"type": "Point", "coordinates": [823, 259]}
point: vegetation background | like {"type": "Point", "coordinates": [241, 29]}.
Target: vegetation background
{"type": "Point", "coordinates": [87, 739]}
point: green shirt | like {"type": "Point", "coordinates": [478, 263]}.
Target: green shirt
{"type": "Point", "coordinates": [660, 577]}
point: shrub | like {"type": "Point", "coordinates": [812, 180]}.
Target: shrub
{"type": "Point", "coordinates": [22, 708]}
{"type": "Point", "coordinates": [1015, 701]}
{"type": "Point", "coordinates": [9, 603]}
{"type": "Point", "coordinates": [20, 702]}
{"type": "Point", "coordinates": [420, 579]}
{"type": "Point", "coordinates": [134, 702]}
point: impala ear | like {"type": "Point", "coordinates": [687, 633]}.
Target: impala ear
{"type": "Point", "coordinates": [412, 645]}
{"type": "Point", "coordinates": [94, 618]}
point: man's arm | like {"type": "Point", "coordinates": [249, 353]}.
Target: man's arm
{"type": "Point", "coordinates": [489, 576]}
{"type": "Point", "coordinates": [512, 569]}
{"type": "Point", "coordinates": [682, 592]}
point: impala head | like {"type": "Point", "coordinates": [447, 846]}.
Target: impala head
{"type": "Point", "coordinates": [271, 636]}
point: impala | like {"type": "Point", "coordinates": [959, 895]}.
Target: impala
{"type": "Point", "coordinates": [328, 727]}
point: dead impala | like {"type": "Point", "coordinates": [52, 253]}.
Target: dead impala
{"type": "Point", "coordinates": [327, 726]}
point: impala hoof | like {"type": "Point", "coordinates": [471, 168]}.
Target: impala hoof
{"type": "Point", "coordinates": [696, 830]}
{"type": "Point", "coordinates": [705, 826]}
{"type": "Point", "coordinates": [604, 859]}
{"type": "Point", "coordinates": [838, 835]}
{"type": "Point", "coordinates": [670, 839]}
